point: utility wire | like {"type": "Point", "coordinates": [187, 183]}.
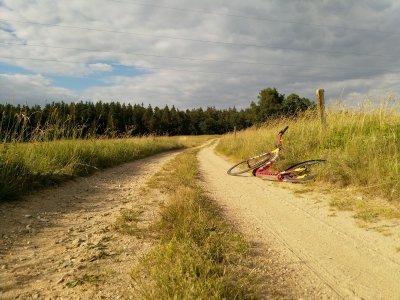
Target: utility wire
{"type": "Point", "coordinates": [119, 64]}
{"type": "Point", "coordinates": [167, 68]}
{"type": "Point", "coordinates": [188, 58]}
{"type": "Point", "coordinates": [194, 40]}
{"type": "Point", "coordinates": [271, 20]}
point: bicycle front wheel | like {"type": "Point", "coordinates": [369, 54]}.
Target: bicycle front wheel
{"type": "Point", "coordinates": [249, 164]}
{"type": "Point", "coordinates": [304, 171]}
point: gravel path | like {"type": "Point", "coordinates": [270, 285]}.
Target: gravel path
{"type": "Point", "coordinates": [60, 243]}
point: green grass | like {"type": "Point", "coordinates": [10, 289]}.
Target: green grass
{"type": "Point", "coordinates": [200, 256]}
{"type": "Point", "coordinates": [362, 148]}
{"type": "Point", "coordinates": [29, 166]}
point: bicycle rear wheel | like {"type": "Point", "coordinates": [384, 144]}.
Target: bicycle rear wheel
{"type": "Point", "coordinates": [249, 164]}
{"type": "Point", "coordinates": [303, 171]}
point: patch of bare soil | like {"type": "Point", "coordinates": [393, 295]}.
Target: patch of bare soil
{"type": "Point", "coordinates": [60, 242]}
{"type": "Point", "coordinates": [307, 250]}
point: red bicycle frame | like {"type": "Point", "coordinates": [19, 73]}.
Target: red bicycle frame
{"type": "Point", "coordinates": [264, 172]}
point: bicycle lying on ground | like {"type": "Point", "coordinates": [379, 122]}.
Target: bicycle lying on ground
{"type": "Point", "coordinates": [261, 164]}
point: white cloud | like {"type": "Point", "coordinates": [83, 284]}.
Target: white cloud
{"type": "Point", "coordinates": [336, 58]}
{"type": "Point", "coordinates": [100, 67]}
{"type": "Point", "coordinates": [23, 89]}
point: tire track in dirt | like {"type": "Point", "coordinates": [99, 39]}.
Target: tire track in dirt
{"type": "Point", "coordinates": [329, 256]}
{"type": "Point", "coordinates": [60, 242]}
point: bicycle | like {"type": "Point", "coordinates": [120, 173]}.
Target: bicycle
{"type": "Point", "coordinates": [260, 165]}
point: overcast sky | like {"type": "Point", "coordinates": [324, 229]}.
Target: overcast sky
{"type": "Point", "coordinates": [196, 53]}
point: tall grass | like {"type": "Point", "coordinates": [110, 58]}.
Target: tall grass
{"type": "Point", "coordinates": [362, 147]}
{"type": "Point", "coordinates": [34, 157]}
{"type": "Point", "coordinates": [29, 166]}
{"type": "Point", "coordinates": [21, 129]}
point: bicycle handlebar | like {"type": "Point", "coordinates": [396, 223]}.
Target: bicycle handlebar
{"type": "Point", "coordinates": [283, 130]}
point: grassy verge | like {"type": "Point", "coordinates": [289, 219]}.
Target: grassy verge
{"type": "Point", "coordinates": [199, 256]}
{"type": "Point", "coordinates": [28, 166]}
{"type": "Point", "coordinates": [362, 149]}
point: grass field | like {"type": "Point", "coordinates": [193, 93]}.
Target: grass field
{"type": "Point", "coordinates": [29, 166]}
{"type": "Point", "coordinates": [362, 148]}
{"type": "Point", "coordinates": [200, 255]}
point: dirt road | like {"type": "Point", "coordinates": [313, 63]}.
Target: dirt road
{"type": "Point", "coordinates": [321, 254]}
{"type": "Point", "coordinates": [60, 243]}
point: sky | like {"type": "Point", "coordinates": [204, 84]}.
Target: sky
{"type": "Point", "coordinates": [197, 53]}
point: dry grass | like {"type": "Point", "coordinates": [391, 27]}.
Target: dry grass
{"type": "Point", "coordinates": [127, 222]}
{"type": "Point", "coordinates": [28, 166]}
{"type": "Point", "coordinates": [200, 256]}
{"type": "Point", "coordinates": [85, 279]}
{"type": "Point", "coordinates": [362, 148]}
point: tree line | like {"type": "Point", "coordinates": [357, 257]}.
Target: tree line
{"type": "Point", "coordinates": [87, 119]}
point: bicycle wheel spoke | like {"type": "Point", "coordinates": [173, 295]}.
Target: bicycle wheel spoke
{"type": "Point", "coordinates": [304, 171]}
{"type": "Point", "coordinates": [249, 164]}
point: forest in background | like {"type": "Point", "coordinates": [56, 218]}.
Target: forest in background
{"type": "Point", "coordinates": [87, 119]}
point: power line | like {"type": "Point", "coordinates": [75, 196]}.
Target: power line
{"type": "Point", "coordinates": [271, 20]}
{"type": "Point", "coordinates": [187, 58]}
{"type": "Point", "coordinates": [118, 64]}
{"type": "Point", "coordinates": [163, 68]}
{"type": "Point", "coordinates": [195, 40]}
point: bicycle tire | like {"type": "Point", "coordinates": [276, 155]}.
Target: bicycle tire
{"type": "Point", "coordinates": [304, 172]}
{"type": "Point", "coordinates": [249, 164]}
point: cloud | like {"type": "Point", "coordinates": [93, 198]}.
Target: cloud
{"type": "Point", "coordinates": [31, 89]}
{"type": "Point", "coordinates": [100, 67]}
{"type": "Point", "coordinates": [191, 58]}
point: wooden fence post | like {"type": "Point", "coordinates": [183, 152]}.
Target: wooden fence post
{"type": "Point", "coordinates": [321, 106]}
{"type": "Point", "coordinates": [234, 130]}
